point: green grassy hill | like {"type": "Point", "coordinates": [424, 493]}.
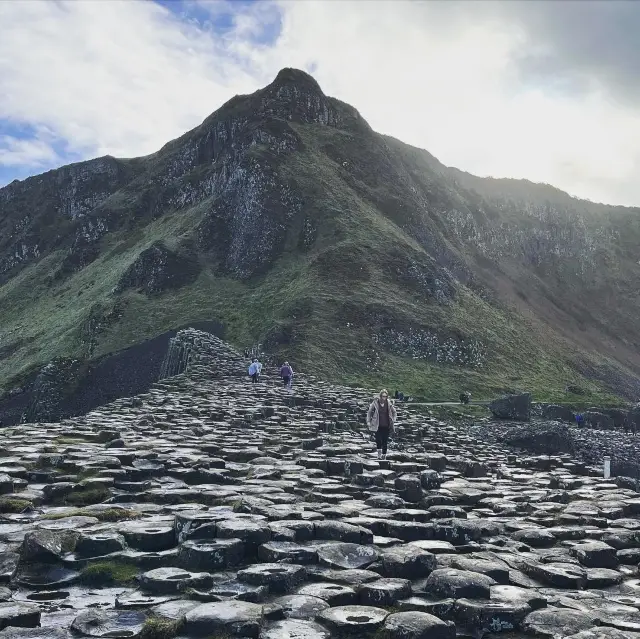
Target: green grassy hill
{"type": "Point", "coordinates": [357, 257]}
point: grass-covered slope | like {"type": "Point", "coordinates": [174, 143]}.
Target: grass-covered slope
{"type": "Point", "coordinates": [355, 256]}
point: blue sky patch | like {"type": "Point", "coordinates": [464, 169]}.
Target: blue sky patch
{"type": "Point", "coordinates": [221, 17]}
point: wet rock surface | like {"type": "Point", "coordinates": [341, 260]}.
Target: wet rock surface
{"type": "Point", "coordinates": [235, 510]}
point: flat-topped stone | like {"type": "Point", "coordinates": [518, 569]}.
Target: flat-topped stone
{"type": "Point", "coordinates": [237, 618]}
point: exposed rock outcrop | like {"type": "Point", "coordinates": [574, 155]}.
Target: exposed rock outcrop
{"type": "Point", "coordinates": [429, 345]}
{"type": "Point", "coordinates": [515, 407]}
{"type": "Point", "coordinates": [633, 417]}
{"type": "Point", "coordinates": [54, 383]}
{"type": "Point", "coordinates": [157, 269]}
{"type": "Point", "coordinates": [68, 194]}
{"type": "Point", "coordinates": [66, 388]}
{"type": "Point", "coordinates": [560, 413]}
{"type": "Point", "coordinates": [598, 420]}
{"type": "Point", "coordinates": [192, 348]}
{"type": "Point", "coordinates": [551, 439]}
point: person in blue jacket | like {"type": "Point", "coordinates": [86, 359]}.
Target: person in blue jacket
{"type": "Point", "coordinates": [254, 370]}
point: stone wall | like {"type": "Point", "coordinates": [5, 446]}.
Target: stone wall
{"type": "Point", "coordinates": [193, 350]}
{"type": "Point", "coordinates": [62, 390]}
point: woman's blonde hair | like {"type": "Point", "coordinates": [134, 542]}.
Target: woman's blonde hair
{"type": "Point", "coordinates": [385, 391]}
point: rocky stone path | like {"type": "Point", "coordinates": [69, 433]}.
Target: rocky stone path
{"type": "Point", "coordinates": [209, 507]}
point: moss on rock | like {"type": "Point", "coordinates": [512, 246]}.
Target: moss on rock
{"type": "Point", "coordinates": [13, 505]}
{"type": "Point", "coordinates": [109, 573]}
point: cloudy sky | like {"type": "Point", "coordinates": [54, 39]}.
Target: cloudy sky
{"type": "Point", "coordinates": [548, 91]}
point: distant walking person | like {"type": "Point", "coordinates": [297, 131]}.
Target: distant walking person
{"type": "Point", "coordinates": [286, 372]}
{"type": "Point", "coordinates": [381, 419]}
{"type": "Point", "coordinates": [254, 370]}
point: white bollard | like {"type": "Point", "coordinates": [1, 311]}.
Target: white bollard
{"type": "Point", "coordinates": [607, 467]}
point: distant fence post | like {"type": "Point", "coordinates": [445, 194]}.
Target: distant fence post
{"type": "Point", "coordinates": [607, 467]}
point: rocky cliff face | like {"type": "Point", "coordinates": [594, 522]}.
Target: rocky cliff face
{"type": "Point", "coordinates": [288, 219]}
{"type": "Point", "coordinates": [41, 213]}
{"type": "Point", "coordinates": [158, 268]}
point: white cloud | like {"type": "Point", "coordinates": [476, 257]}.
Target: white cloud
{"type": "Point", "coordinates": [109, 77]}
{"type": "Point", "coordinates": [19, 152]}
{"type": "Point", "coordinates": [125, 77]}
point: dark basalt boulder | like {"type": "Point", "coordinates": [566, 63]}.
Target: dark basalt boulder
{"type": "Point", "coordinates": [559, 413]}
{"type": "Point", "coordinates": [350, 556]}
{"type": "Point", "coordinates": [633, 417]}
{"type": "Point", "coordinates": [111, 623]}
{"type": "Point", "coordinates": [416, 625]}
{"type": "Point", "coordinates": [598, 420]}
{"type": "Point", "coordinates": [295, 628]}
{"type": "Point", "coordinates": [353, 620]}
{"type": "Point", "coordinates": [454, 583]}
{"type": "Point", "coordinates": [47, 545]}
{"type": "Point", "coordinates": [13, 613]}
{"type": "Point", "coordinates": [240, 618]}
{"type": "Point", "coordinates": [617, 415]}
{"type": "Point", "coordinates": [557, 622]}
{"type": "Point", "coordinates": [549, 439]}
{"type": "Point", "coordinates": [516, 407]}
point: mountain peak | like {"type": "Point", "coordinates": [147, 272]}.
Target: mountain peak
{"type": "Point", "coordinates": [301, 79]}
{"type": "Point", "coordinates": [292, 96]}
{"type": "Point", "coordinates": [295, 96]}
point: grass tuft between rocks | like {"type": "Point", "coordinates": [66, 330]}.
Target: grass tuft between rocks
{"type": "Point", "coordinates": [237, 506]}
{"type": "Point", "coordinates": [109, 573]}
{"type": "Point", "coordinates": [87, 497]}
{"type": "Point", "coordinates": [87, 473]}
{"type": "Point", "coordinates": [156, 628]}
{"type": "Point", "coordinates": [110, 514]}
{"type": "Point", "coordinates": [13, 505]}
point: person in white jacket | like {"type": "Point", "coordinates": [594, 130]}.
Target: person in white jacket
{"type": "Point", "coordinates": [381, 420]}
{"type": "Point", "coordinates": [254, 370]}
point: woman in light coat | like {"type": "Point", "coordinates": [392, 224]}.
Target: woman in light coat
{"type": "Point", "coordinates": [381, 420]}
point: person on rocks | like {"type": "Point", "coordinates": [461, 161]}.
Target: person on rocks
{"type": "Point", "coordinates": [381, 419]}
{"type": "Point", "coordinates": [286, 372]}
{"type": "Point", "coordinates": [254, 370]}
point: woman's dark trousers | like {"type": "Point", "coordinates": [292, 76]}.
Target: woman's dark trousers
{"type": "Point", "coordinates": [382, 439]}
